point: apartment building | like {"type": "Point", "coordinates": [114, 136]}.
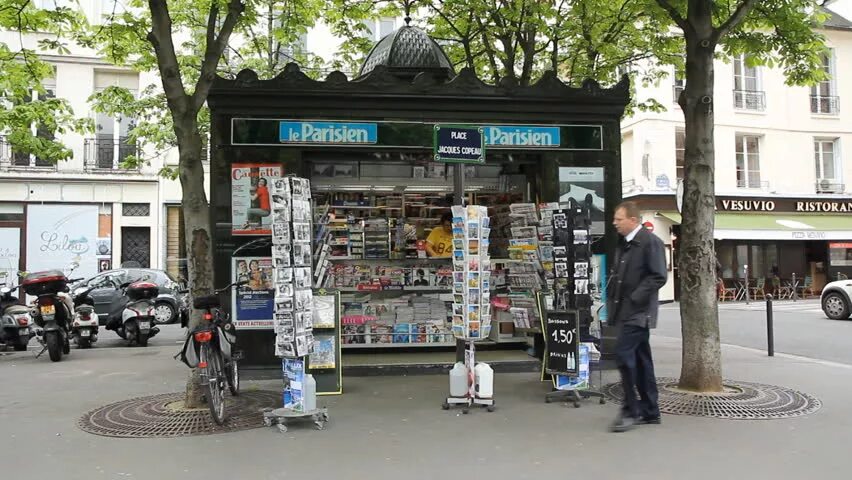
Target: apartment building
{"type": "Point", "coordinates": [783, 169]}
{"type": "Point", "coordinates": [88, 209]}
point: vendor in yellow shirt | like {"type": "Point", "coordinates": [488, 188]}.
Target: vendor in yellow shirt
{"type": "Point", "coordinates": [439, 243]}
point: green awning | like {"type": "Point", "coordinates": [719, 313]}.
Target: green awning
{"type": "Point", "coordinates": [780, 226]}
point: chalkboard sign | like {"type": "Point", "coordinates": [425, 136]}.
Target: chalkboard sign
{"type": "Point", "coordinates": [562, 340]}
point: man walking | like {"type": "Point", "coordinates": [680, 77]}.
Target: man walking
{"type": "Point", "coordinates": [639, 272]}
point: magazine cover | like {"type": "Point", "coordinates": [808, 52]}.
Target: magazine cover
{"type": "Point", "coordinates": [253, 304]}
{"type": "Point", "coordinates": [323, 311]}
{"type": "Point", "coordinates": [402, 333]}
{"type": "Point", "coordinates": [251, 202]}
{"type": "Point", "coordinates": [324, 352]}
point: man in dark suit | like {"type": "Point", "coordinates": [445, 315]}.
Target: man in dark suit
{"type": "Point", "coordinates": [638, 273]}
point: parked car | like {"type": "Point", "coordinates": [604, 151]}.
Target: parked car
{"type": "Point", "coordinates": [169, 306]}
{"type": "Point", "coordinates": [835, 299]}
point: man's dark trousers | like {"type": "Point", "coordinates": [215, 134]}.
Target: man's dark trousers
{"type": "Point", "coordinates": [633, 356]}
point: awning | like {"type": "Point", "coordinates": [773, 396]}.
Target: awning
{"type": "Point", "coordinates": [779, 226]}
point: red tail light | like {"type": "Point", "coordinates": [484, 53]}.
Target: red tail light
{"type": "Point", "coordinates": [202, 364]}
{"type": "Point", "coordinates": [203, 337]}
{"type": "Point", "coordinates": [208, 316]}
{"type": "Point", "coordinates": [23, 321]}
{"type": "Point", "coordinates": [85, 316]}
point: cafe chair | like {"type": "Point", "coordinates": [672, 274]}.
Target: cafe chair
{"type": "Point", "coordinates": [807, 287]}
{"type": "Point", "coordinates": [759, 290]}
{"type": "Point", "coordinates": [725, 292]}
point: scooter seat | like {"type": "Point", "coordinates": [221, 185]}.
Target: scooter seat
{"type": "Point", "coordinates": [17, 309]}
{"type": "Point", "coordinates": [207, 301]}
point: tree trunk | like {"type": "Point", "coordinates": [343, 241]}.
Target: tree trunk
{"type": "Point", "coordinates": [196, 216]}
{"type": "Point", "coordinates": [701, 369]}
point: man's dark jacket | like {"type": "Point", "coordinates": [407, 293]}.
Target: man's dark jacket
{"type": "Point", "coordinates": [639, 272]}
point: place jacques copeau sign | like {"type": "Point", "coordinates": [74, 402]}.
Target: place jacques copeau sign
{"type": "Point", "coordinates": [459, 144]}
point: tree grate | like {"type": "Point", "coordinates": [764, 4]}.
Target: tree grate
{"type": "Point", "coordinates": [156, 416]}
{"type": "Point", "coordinates": [739, 401]}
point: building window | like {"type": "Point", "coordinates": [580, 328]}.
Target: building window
{"type": "Point", "coordinates": [825, 164]}
{"type": "Point", "coordinates": [824, 95]}
{"type": "Point", "coordinates": [135, 209]}
{"type": "Point", "coordinates": [679, 83]}
{"type": "Point", "coordinates": [21, 159]}
{"type": "Point", "coordinates": [748, 92]}
{"type": "Point", "coordinates": [748, 161]}
{"type": "Point", "coordinates": [112, 145]}
{"type": "Point", "coordinates": [680, 152]}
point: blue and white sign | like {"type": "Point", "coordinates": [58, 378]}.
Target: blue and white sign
{"type": "Point", "coordinates": [521, 136]}
{"type": "Point", "coordinates": [336, 133]}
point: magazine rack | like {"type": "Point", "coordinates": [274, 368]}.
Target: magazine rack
{"type": "Point", "coordinates": [570, 314]}
{"type": "Point", "coordinates": [471, 229]}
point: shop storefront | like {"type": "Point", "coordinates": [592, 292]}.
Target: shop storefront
{"type": "Point", "coordinates": [377, 192]}
{"type": "Point", "coordinates": [770, 240]}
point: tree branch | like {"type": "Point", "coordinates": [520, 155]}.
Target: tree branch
{"type": "Point", "coordinates": [674, 14]}
{"type": "Point", "coordinates": [743, 9]}
{"type": "Point", "coordinates": [160, 38]}
{"type": "Point", "coordinates": [213, 51]}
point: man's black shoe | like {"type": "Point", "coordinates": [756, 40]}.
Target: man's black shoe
{"type": "Point", "coordinates": [623, 424]}
{"type": "Point", "coordinates": [650, 420]}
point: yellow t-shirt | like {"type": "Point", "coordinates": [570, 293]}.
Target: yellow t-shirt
{"type": "Point", "coordinates": [441, 242]}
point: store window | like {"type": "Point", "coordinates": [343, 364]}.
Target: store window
{"type": "Point", "coordinates": [680, 152]}
{"type": "Point", "coordinates": [825, 163]}
{"type": "Point", "coordinates": [840, 254]}
{"type": "Point", "coordinates": [725, 254]}
{"type": "Point", "coordinates": [748, 161]}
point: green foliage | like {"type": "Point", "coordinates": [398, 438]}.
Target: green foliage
{"type": "Point", "coordinates": [30, 116]}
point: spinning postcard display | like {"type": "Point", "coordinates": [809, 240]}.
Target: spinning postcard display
{"type": "Point", "coordinates": [291, 259]}
{"type": "Point", "coordinates": [471, 273]}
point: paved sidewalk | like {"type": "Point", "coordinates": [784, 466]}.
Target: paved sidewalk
{"type": "Point", "coordinates": [393, 427]}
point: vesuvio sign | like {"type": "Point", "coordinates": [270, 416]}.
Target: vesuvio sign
{"type": "Point", "coordinates": [328, 133]}
{"type": "Point", "coordinates": [459, 144]}
{"type": "Point", "coordinates": [784, 205]}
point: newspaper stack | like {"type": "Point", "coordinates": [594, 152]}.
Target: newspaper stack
{"type": "Point", "coordinates": [291, 258]}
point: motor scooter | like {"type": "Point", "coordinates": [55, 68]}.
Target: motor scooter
{"type": "Point", "coordinates": [132, 313]}
{"type": "Point", "coordinates": [84, 326]}
{"type": "Point", "coordinates": [16, 321]}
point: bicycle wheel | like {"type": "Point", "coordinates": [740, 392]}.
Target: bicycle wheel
{"type": "Point", "coordinates": [215, 383]}
{"type": "Point", "coordinates": [233, 371]}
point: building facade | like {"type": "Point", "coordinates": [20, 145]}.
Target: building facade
{"type": "Point", "coordinates": [783, 169]}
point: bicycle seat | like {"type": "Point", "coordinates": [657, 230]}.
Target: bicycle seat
{"type": "Point", "coordinates": [208, 301]}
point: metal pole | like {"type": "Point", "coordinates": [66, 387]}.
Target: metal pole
{"type": "Point", "coordinates": [770, 331]}
{"type": "Point", "coordinates": [795, 294]}
{"type": "Point", "coordinates": [747, 293]}
{"type": "Point", "coordinates": [458, 199]}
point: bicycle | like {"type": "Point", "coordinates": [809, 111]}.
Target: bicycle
{"type": "Point", "coordinates": [215, 360]}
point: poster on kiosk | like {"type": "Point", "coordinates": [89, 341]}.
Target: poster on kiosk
{"type": "Point", "coordinates": [251, 200]}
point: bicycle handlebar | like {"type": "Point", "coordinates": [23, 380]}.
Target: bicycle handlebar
{"type": "Point", "coordinates": [230, 286]}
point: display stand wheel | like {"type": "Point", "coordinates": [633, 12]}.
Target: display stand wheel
{"type": "Point", "coordinates": [445, 405]}
{"type": "Point", "coordinates": [547, 400]}
{"type": "Point", "coordinates": [281, 416]}
{"type": "Point", "coordinates": [490, 408]}
{"type": "Point", "coordinates": [465, 410]}
{"type": "Point", "coordinates": [602, 401]}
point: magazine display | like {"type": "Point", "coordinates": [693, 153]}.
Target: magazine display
{"type": "Point", "coordinates": [291, 260]}
{"type": "Point", "coordinates": [471, 273]}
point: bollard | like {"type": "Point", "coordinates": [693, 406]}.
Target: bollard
{"type": "Point", "coordinates": [747, 293]}
{"type": "Point", "coordinates": [795, 294]}
{"type": "Point", "coordinates": [770, 333]}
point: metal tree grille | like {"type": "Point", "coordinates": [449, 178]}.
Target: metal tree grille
{"type": "Point", "coordinates": [136, 209]}
{"type": "Point", "coordinates": [740, 401]}
{"type": "Point", "coordinates": [136, 246]}
{"type": "Point", "coordinates": [156, 417]}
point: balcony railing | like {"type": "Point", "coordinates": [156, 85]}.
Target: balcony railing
{"type": "Point", "coordinates": [757, 184]}
{"type": "Point", "coordinates": [10, 159]}
{"type": "Point", "coordinates": [107, 154]}
{"type": "Point", "coordinates": [825, 105]}
{"type": "Point", "coordinates": [829, 186]}
{"type": "Point", "coordinates": [750, 100]}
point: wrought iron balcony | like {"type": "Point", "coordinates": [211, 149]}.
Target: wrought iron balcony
{"type": "Point", "coordinates": [829, 186]}
{"type": "Point", "coordinates": [750, 100]}
{"type": "Point", "coordinates": [107, 154]}
{"type": "Point", "coordinates": [757, 184]}
{"type": "Point", "coordinates": [10, 159]}
{"type": "Point", "coordinates": [825, 105]}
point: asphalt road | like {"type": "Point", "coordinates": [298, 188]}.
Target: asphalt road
{"type": "Point", "coordinates": [800, 328]}
{"type": "Point", "coordinates": [170, 335]}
